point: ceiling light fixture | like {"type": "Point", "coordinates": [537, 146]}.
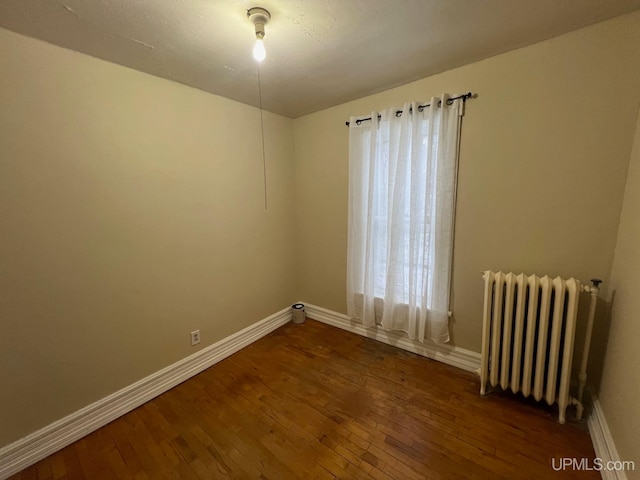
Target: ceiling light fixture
{"type": "Point", "coordinates": [260, 17]}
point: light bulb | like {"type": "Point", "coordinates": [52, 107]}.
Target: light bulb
{"type": "Point", "coordinates": [259, 52]}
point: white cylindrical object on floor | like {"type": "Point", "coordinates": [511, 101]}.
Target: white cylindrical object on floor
{"type": "Point", "coordinates": [298, 313]}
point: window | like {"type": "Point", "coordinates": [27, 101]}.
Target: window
{"type": "Point", "coordinates": [402, 171]}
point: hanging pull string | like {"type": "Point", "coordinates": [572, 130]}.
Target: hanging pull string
{"type": "Point", "coordinates": [264, 161]}
{"type": "Point", "coordinates": [464, 97]}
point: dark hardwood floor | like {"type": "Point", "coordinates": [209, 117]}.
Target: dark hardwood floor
{"type": "Point", "coordinates": [314, 402]}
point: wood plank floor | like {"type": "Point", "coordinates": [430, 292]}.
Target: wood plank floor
{"type": "Point", "coordinates": [314, 402]}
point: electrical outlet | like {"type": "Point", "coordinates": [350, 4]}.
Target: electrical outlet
{"type": "Point", "coordinates": [195, 337]}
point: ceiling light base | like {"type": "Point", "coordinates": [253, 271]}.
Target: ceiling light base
{"type": "Point", "coordinates": [259, 17]}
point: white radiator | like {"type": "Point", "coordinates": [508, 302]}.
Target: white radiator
{"type": "Point", "coordinates": [528, 334]}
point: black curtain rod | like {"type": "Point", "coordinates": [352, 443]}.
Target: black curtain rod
{"type": "Point", "coordinates": [464, 97]}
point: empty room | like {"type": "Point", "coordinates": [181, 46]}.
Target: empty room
{"type": "Point", "coordinates": [319, 239]}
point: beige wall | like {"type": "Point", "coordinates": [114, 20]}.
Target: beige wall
{"type": "Point", "coordinates": [544, 154]}
{"type": "Point", "coordinates": [131, 213]}
{"type": "Point", "coordinates": [620, 389]}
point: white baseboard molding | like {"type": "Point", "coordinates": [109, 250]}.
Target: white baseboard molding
{"type": "Point", "coordinates": [603, 443]}
{"type": "Point", "coordinates": [455, 356]}
{"type": "Point", "coordinates": [42, 443]}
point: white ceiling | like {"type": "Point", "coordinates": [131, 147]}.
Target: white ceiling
{"type": "Point", "coordinates": [320, 53]}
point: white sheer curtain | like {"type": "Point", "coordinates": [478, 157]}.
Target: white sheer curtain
{"type": "Point", "coordinates": [402, 175]}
